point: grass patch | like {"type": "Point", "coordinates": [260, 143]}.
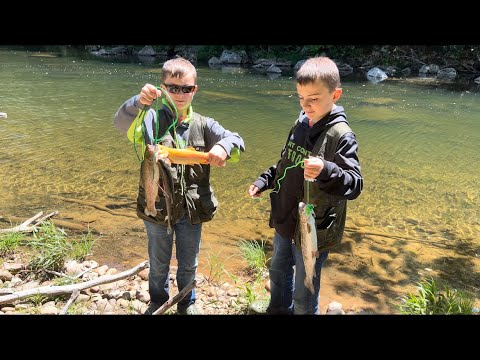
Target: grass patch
{"type": "Point", "coordinates": [83, 247]}
{"type": "Point", "coordinates": [51, 246]}
{"type": "Point", "coordinates": [254, 253]}
{"type": "Point", "coordinates": [9, 242]}
{"type": "Point", "coordinates": [216, 267]}
{"type": "Point", "coordinates": [38, 300]}
{"type": "Point", "coordinates": [433, 300]}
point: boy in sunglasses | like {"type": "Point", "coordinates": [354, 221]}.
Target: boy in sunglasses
{"type": "Point", "coordinates": [193, 200]}
{"type": "Point", "coordinates": [319, 166]}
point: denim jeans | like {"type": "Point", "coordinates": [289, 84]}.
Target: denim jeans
{"type": "Point", "coordinates": [287, 296]}
{"type": "Point", "coordinates": [160, 244]}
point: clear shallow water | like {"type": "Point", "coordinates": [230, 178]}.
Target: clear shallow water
{"type": "Point", "coordinates": [418, 143]}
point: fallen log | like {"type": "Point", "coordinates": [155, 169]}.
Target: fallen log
{"type": "Point", "coordinates": [29, 225]}
{"type": "Point", "coordinates": [67, 289]}
{"type": "Point", "coordinates": [57, 222]}
{"type": "Point", "coordinates": [70, 302]}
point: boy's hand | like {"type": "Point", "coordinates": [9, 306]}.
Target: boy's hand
{"type": "Point", "coordinates": [254, 191]}
{"type": "Point", "coordinates": [217, 156]}
{"type": "Point", "coordinates": [313, 167]}
{"type": "Point", "coordinates": [149, 93]}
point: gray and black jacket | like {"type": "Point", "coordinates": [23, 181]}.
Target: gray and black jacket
{"type": "Point", "coordinates": [340, 180]}
{"type": "Point", "coordinates": [195, 195]}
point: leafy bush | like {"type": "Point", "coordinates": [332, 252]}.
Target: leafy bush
{"type": "Point", "coordinates": [430, 300]}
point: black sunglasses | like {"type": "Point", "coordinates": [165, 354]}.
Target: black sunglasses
{"type": "Point", "coordinates": [175, 89]}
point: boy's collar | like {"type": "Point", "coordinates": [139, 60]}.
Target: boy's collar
{"type": "Point", "coordinates": [189, 111]}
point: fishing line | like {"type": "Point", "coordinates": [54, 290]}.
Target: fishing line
{"type": "Point", "coordinates": [171, 102]}
{"type": "Point", "coordinates": [178, 143]}
{"type": "Point", "coordinates": [285, 173]}
{"type": "Point", "coordinates": [309, 207]}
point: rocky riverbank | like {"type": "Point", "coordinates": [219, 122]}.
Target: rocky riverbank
{"type": "Point", "coordinates": [454, 63]}
{"type": "Point", "coordinates": [127, 296]}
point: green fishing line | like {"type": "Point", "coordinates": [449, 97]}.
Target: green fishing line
{"type": "Point", "coordinates": [309, 207]}
{"type": "Point", "coordinates": [285, 173]}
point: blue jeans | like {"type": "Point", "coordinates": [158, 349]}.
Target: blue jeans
{"type": "Point", "coordinates": [160, 244]}
{"type": "Point", "coordinates": [287, 296]}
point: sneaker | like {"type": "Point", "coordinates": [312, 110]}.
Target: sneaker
{"type": "Point", "coordinates": [191, 310]}
{"type": "Point", "coordinates": [258, 307]}
{"type": "Point", "coordinates": [151, 308]}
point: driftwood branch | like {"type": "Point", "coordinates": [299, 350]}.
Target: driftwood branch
{"type": "Point", "coordinates": [96, 206]}
{"type": "Point", "coordinates": [84, 272]}
{"type": "Point", "coordinates": [29, 225]}
{"type": "Point", "coordinates": [57, 222]}
{"type": "Point", "coordinates": [172, 301]}
{"type": "Point", "coordinates": [66, 289]}
{"type": "Point", "coordinates": [56, 273]}
{"type": "Point", "coordinates": [43, 218]}
{"type": "Point", "coordinates": [70, 302]}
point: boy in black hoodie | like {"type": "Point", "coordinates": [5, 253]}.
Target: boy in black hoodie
{"type": "Point", "coordinates": [319, 165]}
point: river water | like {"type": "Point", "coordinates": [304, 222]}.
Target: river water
{"type": "Point", "coordinates": [418, 147]}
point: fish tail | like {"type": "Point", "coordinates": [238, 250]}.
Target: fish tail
{"type": "Point", "coordinates": [309, 285]}
{"type": "Point", "coordinates": [150, 212]}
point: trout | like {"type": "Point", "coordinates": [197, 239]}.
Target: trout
{"type": "Point", "coordinates": [156, 175]}
{"type": "Point", "coordinates": [188, 156]}
{"type": "Point", "coordinates": [308, 241]}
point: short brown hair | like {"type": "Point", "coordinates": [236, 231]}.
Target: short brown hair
{"type": "Point", "coordinates": [319, 68]}
{"type": "Point", "coordinates": [178, 68]}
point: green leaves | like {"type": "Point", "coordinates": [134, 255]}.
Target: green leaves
{"type": "Point", "coordinates": [430, 300]}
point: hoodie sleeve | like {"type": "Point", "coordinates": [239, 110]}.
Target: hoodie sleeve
{"type": "Point", "coordinates": [217, 134]}
{"type": "Point", "coordinates": [343, 177]}
{"type": "Point", "coordinates": [126, 114]}
{"type": "Point", "coordinates": [265, 180]}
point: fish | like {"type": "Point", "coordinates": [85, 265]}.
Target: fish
{"type": "Point", "coordinates": [155, 176]}
{"type": "Point", "coordinates": [188, 156]}
{"type": "Point", "coordinates": [308, 242]}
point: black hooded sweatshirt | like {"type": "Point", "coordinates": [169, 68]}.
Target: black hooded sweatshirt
{"type": "Point", "coordinates": [342, 177]}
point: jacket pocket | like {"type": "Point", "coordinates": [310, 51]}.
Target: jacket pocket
{"type": "Point", "coordinates": [328, 230]}
{"type": "Point", "coordinates": [201, 208]}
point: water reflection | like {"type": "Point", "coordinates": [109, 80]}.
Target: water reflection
{"type": "Point", "coordinates": [273, 76]}
{"type": "Point", "coordinates": [147, 59]}
{"type": "Point", "coordinates": [232, 69]}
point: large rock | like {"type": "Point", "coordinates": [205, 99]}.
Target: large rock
{"type": "Point", "coordinates": [147, 51]}
{"type": "Point", "coordinates": [230, 57]}
{"type": "Point", "coordinates": [447, 74]}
